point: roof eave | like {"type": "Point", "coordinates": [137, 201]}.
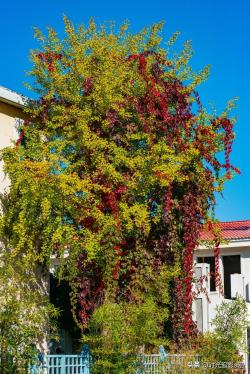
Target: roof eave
{"type": "Point", "coordinates": [12, 103]}
{"type": "Point", "coordinates": [12, 98]}
{"type": "Point", "coordinates": [239, 242]}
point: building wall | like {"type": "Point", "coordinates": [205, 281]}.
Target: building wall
{"type": "Point", "coordinates": [9, 118]}
{"type": "Point", "coordinates": [215, 298]}
{"type": "Point", "coordinates": [239, 248]}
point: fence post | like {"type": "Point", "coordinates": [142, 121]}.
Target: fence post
{"type": "Point", "coordinates": [63, 365]}
{"type": "Point", "coordinates": [43, 363]}
{"type": "Point", "coordinates": [38, 362]}
{"type": "Point", "coordinates": [86, 359]}
{"type": "Point", "coordinates": [141, 364]}
{"type": "Point", "coordinates": [33, 369]}
{"type": "Point", "coordinates": [33, 366]}
{"type": "Point", "coordinates": [163, 353]}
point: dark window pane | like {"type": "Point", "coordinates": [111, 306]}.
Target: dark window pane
{"type": "Point", "coordinates": [231, 265]}
{"type": "Point", "coordinates": [211, 262]}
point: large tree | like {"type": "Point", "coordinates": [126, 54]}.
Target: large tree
{"type": "Point", "coordinates": [116, 170]}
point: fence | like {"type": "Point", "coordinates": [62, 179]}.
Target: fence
{"type": "Point", "coordinates": [144, 364]}
{"type": "Point", "coordinates": [63, 364]}
{"type": "Point", "coordinates": [167, 363]}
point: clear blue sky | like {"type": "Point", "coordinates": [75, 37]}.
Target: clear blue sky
{"type": "Point", "coordinates": [220, 31]}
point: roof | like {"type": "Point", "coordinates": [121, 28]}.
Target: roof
{"type": "Point", "coordinates": [233, 230]}
{"type": "Point", "coordinates": [12, 98]}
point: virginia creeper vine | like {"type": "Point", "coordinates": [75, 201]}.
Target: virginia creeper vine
{"type": "Point", "coordinates": [121, 163]}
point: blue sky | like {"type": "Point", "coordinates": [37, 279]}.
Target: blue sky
{"type": "Point", "coordinates": [220, 35]}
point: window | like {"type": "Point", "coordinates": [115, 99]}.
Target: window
{"type": "Point", "coordinates": [211, 262]}
{"type": "Point", "coordinates": [231, 265]}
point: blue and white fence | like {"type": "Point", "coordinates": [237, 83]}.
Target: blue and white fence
{"type": "Point", "coordinates": [144, 364]}
{"type": "Point", "coordinates": [63, 364]}
{"type": "Point", "coordinates": [167, 363]}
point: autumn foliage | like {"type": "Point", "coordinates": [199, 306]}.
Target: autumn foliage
{"type": "Point", "coordinates": [116, 170]}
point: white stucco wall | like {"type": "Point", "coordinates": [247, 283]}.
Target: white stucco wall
{"type": "Point", "coordinates": [242, 248]}
{"type": "Point", "coordinates": [9, 117]}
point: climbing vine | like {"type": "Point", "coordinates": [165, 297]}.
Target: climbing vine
{"type": "Point", "coordinates": [115, 170]}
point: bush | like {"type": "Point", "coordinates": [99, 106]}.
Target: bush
{"type": "Point", "coordinates": [24, 320]}
{"type": "Point", "coordinates": [229, 335]}
{"type": "Point", "coordinates": [118, 332]}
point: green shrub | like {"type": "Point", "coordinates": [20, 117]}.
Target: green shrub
{"type": "Point", "coordinates": [24, 319]}
{"type": "Point", "coordinates": [228, 338]}
{"type": "Point", "coordinates": [118, 332]}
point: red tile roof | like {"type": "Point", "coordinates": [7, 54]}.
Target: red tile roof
{"type": "Point", "coordinates": [230, 230]}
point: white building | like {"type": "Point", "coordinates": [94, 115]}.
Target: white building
{"type": "Point", "coordinates": [234, 270]}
